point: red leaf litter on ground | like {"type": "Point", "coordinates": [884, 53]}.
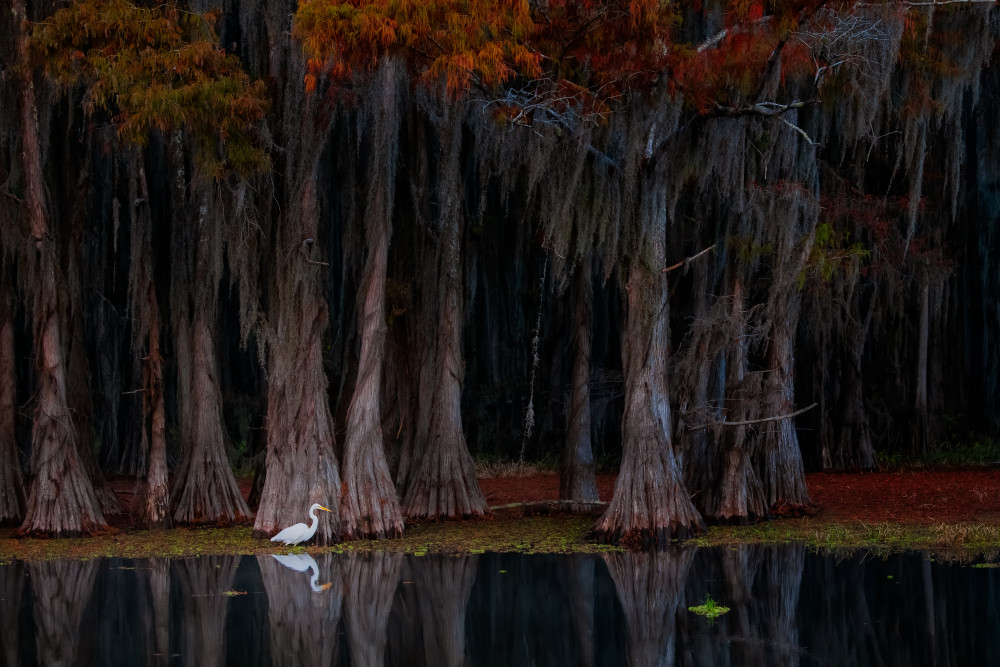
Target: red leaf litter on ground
{"type": "Point", "coordinates": [909, 496]}
{"type": "Point", "coordinates": [912, 496]}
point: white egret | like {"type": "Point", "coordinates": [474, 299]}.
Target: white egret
{"type": "Point", "coordinates": [300, 532]}
{"type": "Point", "coordinates": [303, 563]}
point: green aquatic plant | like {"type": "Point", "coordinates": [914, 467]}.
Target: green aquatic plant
{"type": "Point", "coordinates": [710, 609]}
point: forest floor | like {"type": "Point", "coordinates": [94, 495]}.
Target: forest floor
{"type": "Point", "coordinates": [953, 512]}
{"type": "Point", "coordinates": [905, 496]}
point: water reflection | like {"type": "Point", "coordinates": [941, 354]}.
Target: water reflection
{"type": "Point", "coordinates": [303, 563]}
{"type": "Point", "coordinates": [303, 625]}
{"type": "Point", "coordinates": [61, 591]}
{"type": "Point", "coordinates": [427, 622]}
{"type": "Point", "coordinates": [788, 607]}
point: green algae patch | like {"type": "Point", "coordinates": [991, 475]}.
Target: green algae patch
{"type": "Point", "coordinates": [710, 609]}
{"type": "Point", "coordinates": [959, 541]}
{"type": "Point", "coordinates": [538, 534]}
{"type": "Point", "coordinates": [541, 534]}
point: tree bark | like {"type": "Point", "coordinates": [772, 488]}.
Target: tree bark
{"type": "Point", "coordinates": [204, 489]}
{"type": "Point", "coordinates": [301, 463]}
{"type": "Point", "coordinates": [155, 511]}
{"type": "Point", "coordinates": [854, 450]}
{"type": "Point", "coordinates": [780, 463]}
{"type": "Point", "coordinates": [11, 476]}
{"type": "Point", "coordinates": [369, 504]}
{"type": "Point", "coordinates": [739, 492]}
{"type": "Point", "coordinates": [153, 491]}
{"type": "Point", "coordinates": [650, 503]}
{"type": "Point", "coordinates": [577, 479]}
{"type": "Point", "coordinates": [62, 500]}
{"type": "Point", "coordinates": [443, 484]}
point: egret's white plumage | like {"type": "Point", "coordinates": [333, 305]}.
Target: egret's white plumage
{"type": "Point", "coordinates": [300, 532]}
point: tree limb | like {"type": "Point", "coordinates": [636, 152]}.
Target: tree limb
{"type": "Point", "coordinates": [747, 422]}
{"type": "Point", "coordinates": [685, 261]}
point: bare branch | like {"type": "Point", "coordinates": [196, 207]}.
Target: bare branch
{"type": "Point", "coordinates": [689, 259]}
{"type": "Point", "coordinates": [747, 422]}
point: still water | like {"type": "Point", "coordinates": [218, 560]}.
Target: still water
{"type": "Point", "coordinates": [788, 607]}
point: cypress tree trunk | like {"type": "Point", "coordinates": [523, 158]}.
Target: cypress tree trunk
{"type": "Point", "coordinates": [577, 480]}
{"type": "Point", "coordinates": [650, 503]}
{"type": "Point", "coordinates": [369, 504]}
{"type": "Point", "coordinates": [301, 463]}
{"type": "Point", "coordinates": [78, 382]}
{"type": "Point", "coordinates": [443, 483]}
{"type": "Point", "coordinates": [11, 477]}
{"type": "Point", "coordinates": [153, 492]}
{"type": "Point", "coordinates": [204, 489]}
{"type": "Point", "coordinates": [155, 510]}
{"type": "Point", "coordinates": [62, 500]}
{"type": "Point", "coordinates": [854, 450]}
{"type": "Point", "coordinates": [739, 492]}
{"type": "Point", "coordinates": [782, 472]}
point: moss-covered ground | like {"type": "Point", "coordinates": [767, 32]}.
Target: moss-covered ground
{"type": "Point", "coordinates": [560, 533]}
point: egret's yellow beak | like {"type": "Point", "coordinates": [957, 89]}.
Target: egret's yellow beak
{"type": "Point", "coordinates": [323, 508]}
{"type": "Point", "coordinates": [325, 586]}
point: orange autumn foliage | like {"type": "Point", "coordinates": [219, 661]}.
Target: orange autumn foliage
{"type": "Point", "coordinates": [463, 42]}
{"type": "Point", "coordinates": [158, 68]}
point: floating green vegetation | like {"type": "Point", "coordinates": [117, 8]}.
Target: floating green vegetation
{"type": "Point", "coordinates": [958, 541]}
{"type": "Point", "coordinates": [534, 535]}
{"type": "Point", "coordinates": [540, 534]}
{"type": "Point", "coordinates": [710, 609]}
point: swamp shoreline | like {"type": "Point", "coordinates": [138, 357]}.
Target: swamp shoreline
{"type": "Point", "coordinates": [953, 512]}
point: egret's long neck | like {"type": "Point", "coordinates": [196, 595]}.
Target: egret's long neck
{"type": "Point", "coordinates": [312, 515]}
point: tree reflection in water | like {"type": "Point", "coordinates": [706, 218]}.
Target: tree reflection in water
{"type": "Point", "coordinates": [369, 586]}
{"type": "Point", "coordinates": [427, 625]}
{"type": "Point", "coordinates": [788, 607]}
{"type": "Point", "coordinates": [650, 586]}
{"type": "Point", "coordinates": [62, 589]}
{"type": "Point", "coordinates": [154, 607]}
{"type": "Point", "coordinates": [203, 584]}
{"type": "Point", "coordinates": [577, 582]}
{"type": "Point", "coordinates": [11, 589]}
{"type": "Point", "coordinates": [304, 614]}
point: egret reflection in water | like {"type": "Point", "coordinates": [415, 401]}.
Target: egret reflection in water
{"type": "Point", "coordinates": [303, 563]}
{"type": "Point", "coordinates": [303, 628]}
{"type": "Point", "coordinates": [788, 607]}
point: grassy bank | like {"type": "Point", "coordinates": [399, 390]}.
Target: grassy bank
{"type": "Point", "coordinates": [535, 535]}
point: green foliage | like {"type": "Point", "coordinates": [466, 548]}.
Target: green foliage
{"type": "Point", "coordinates": [158, 68]}
{"type": "Point", "coordinates": [832, 255]}
{"type": "Point", "coordinates": [710, 609]}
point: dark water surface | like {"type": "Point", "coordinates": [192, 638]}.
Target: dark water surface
{"type": "Point", "coordinates": [789, 607]}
